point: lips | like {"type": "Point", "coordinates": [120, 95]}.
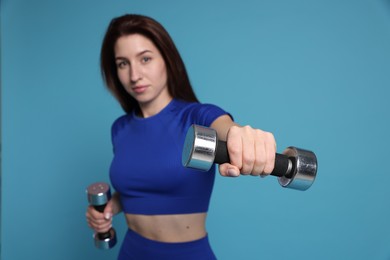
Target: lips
{"type": "Point", "coordinates": [139, 89]}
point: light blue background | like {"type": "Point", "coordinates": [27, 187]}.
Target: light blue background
{"type": "Point", "coordinates": [315, 73]}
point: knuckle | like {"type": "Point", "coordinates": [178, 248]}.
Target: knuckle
{"type": "Point", "coordinates": [234, 129]}
{"type": "Point", "coordinates": [247, 166]}
{"type": "Point", "coordinates": [248, 129]}
{"type": "Point", "coordinates": [258, 170]}
{"type": "Point", "coordinates": [259, 132]}
{"type": "Point", "coordinates": [234, 150]}
{"type": "Point", "coordinates": [248, 160]}
{"type": "Point", "coordinates": [261, 161]}
{"type": "Point", "coordinates": [270, 138]}
{"type": "Point", "coordinates": [268, 169]}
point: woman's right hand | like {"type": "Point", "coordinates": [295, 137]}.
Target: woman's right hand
{"type": "Point", "coordinates": [101, 222]}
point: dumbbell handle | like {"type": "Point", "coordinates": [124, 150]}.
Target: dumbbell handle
{"type": "Point", "coordinates": [104, 235]}
{"type": "Point", "coordinates": [283, 165]}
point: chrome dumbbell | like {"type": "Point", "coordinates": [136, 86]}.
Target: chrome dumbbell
{"type": "Point", "coordinates": [295, 168]}
{"type": "Point", "coordinates": [98, 195]}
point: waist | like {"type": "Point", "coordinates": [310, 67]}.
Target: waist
{"type": "Point", "coordinates": [164, 205]}
{"type": "Point", "coordinates": [168, 228]}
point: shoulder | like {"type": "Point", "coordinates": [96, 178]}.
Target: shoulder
{"type": "Point", "coordinates": [119, 124]}
{"type": "Point", "coordinates": [199, 113]}
{"type": "Point", "coordinates": [194, 106]}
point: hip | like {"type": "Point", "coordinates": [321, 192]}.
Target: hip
{"type": "Point", "coordinates": [135, 246]}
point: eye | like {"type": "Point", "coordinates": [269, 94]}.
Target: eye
{"type": "Point", "coordinates": [146, 59]}
{"type": "Point", "coordinates": [121, 64]}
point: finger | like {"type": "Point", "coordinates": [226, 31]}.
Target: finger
{"type": "Point", "coordinates": [102, 228]}
{"type": "Point", "coordinates": [91, 211]}
{"type": "Point", "coordinates": [99, 225]}
{"type": "Point", "coordinates": [248, 150]}
{"type": "Point", "coordinates": [108, 211]}
{"type": "Point", "coordinates": [234, 146]}
{"type": "Point", "coordinates": [229, 170]}
{"type": "Point", "coordinates": [95, 217]}
{"type": "Point", "coordinates": [97, 222]}
{"type": "Point", "coordinates": [260, 151]}
{"type": "Point", "coordinates": [270, 149]}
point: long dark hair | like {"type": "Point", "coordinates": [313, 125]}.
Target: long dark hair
{"type": "Point", "coordinates": [179, 85]}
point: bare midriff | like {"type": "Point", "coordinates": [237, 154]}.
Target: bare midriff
{"type": "Point", "coordinates": [169, 228]}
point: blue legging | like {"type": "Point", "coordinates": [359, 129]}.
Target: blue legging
{"type": "Point", "coordinates": [137, 247]}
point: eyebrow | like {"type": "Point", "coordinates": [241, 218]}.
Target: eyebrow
{"type": "Point", "coordinates": [139, 54]}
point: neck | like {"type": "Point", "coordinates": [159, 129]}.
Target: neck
{"type": "Point", "coordinates": [150, 109]}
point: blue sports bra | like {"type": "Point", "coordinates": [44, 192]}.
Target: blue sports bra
{"type": "Point", "coordinates": [147, 170]}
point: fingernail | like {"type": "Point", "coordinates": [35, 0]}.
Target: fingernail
{"type": "Point", "coordinates": [232, 173]}
{"type": "Point", "coordinates": [107, 216]}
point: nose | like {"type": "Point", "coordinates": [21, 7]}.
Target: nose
{"type": "Point", "coordinates": [135, 73]}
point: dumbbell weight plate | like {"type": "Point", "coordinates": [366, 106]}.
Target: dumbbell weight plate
{"type": "Point", "coordinates": [107, 243]}
{"type": "Point", "coordinates": [98, 193]}
{"type": "Point", "coordinates": [305, 166]}
{"type": "Point", "coordinates": [199, 148]}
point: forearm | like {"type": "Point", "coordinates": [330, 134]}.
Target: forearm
{"type": "Point", "coordinates": [116, 205]}
{"type": "Point", "coordinates": [222, 125]}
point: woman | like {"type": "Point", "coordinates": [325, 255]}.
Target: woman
{"type": "Point", "coordinates": [165, 204]}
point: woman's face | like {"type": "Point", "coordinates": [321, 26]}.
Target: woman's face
{"type": "Point", "coordinates": [142, 72]}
